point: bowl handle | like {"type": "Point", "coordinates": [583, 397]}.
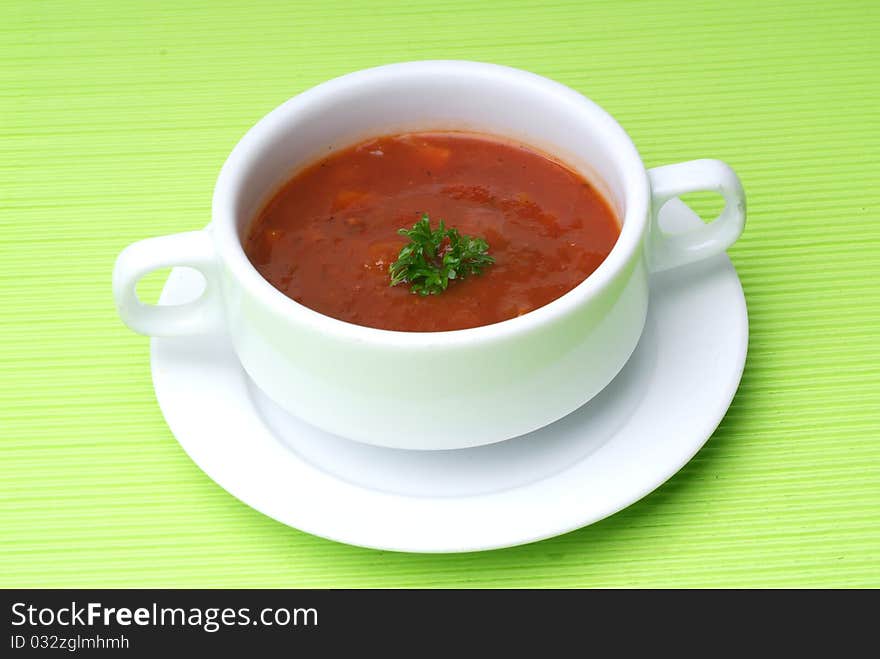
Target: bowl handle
{"type": "Point", "coordinates": [666, 250]}
{"type": "Point", "coordinates": [193, 249]}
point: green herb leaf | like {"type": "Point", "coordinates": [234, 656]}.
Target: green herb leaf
{"type": "Point", "coordinates": [433, 257]}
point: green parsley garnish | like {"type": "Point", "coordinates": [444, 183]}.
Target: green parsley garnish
{"type": "Point", "coordinates": [435, 256]}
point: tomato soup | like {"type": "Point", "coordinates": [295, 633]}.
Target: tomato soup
{"type": "Point", "coordinates": [329, 235]}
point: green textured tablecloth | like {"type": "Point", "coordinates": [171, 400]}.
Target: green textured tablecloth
{"type": "Point", "coordinates": [116, 117]}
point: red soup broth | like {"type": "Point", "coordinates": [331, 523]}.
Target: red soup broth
{"type": "Point", "coordinates": [328, 236]}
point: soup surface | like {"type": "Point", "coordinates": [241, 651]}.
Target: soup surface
{"type": "Point", "coordinates": [328, 236]}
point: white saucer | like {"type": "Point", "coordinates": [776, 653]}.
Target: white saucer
{"type": "Point", "coordinates": [624, 443]}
